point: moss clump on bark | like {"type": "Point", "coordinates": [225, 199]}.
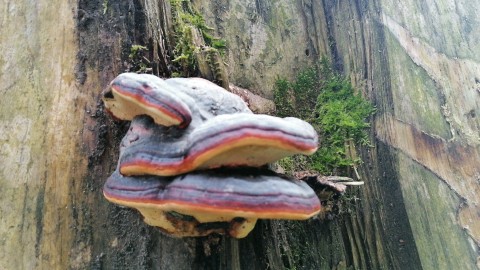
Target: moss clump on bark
{"type": "Point", "coordinates": [138, 59]}
{"type": "Point", "coordinates": [192, 35]}
{"type": "Point", "coordinates": [327, 101]}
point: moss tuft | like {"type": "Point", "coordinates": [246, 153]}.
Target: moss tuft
{"type": "Point", "coordinates": [328, 102]}
{"type": "Point", "coordinates": [138, 59]}
{"type": "Point", "coordinates": [191, 36]}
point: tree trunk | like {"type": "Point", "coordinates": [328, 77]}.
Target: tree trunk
{"type": "Point", "coordinates": [418, 208]}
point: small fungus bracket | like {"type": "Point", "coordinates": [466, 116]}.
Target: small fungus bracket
{"type": "Point", "coordinates": [190, 162]}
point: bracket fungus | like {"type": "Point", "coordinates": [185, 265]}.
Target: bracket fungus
{"type": "Point", "coordinates": [189, 160]}
{"type": "Point", "coordinates": [226, 140]}
{"type": "Point", "coordinates": [133, 94]}
{"type": "Point", "coordinates": [227, 201]}
{"type": "Point", "coordinates": [169, 102]}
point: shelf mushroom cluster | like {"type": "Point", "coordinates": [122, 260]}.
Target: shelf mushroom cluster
{"type": "Point", "coordinates": [192, 160]}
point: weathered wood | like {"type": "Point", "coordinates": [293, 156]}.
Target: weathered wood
{"type": "Point", "coordinates": [418, 208]}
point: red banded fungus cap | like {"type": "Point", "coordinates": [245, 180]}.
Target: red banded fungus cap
{"type": "Point", "coordinates": [133, 94]}
{"type": "Point", "coordinates": [172, 102]}
{"type": "Point", "coordinates": [221, 201]}
{"type": "Point", "coordinates": [224, 141]}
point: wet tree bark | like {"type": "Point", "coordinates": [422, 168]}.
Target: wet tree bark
{"type": "Point", "coordinates": [58, 147]}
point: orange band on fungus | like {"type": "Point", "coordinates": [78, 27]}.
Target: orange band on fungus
{"type": "Point", "coordinates": [137, 94]}
{"type": "Point", "coordinates": [228, 140]}
{"type": "Point", "coordinates": [215, 196]}
{"type": "Point", "coordinates": [181, 125]}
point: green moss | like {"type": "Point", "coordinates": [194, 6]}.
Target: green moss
{"type": "Point", "coordinates": [183, 54]}
{"type": "Point", "coordinates": [138, 59]}
{"type": "Point", "coordinates": [187, 20]}
{"type": "Point", "coordinates": [328, 102]}
{"type": "Point", "coordinates": [135, 50]}
{"type": "Point", "coordinates": [215, 65]}
{"type": "Point", "coordinates": [283, 98]}
{"type": "Point", "coordinates": [294, 164]}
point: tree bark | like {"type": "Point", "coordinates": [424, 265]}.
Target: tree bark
{"type": "Point", "coordinates": [58, 147]}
